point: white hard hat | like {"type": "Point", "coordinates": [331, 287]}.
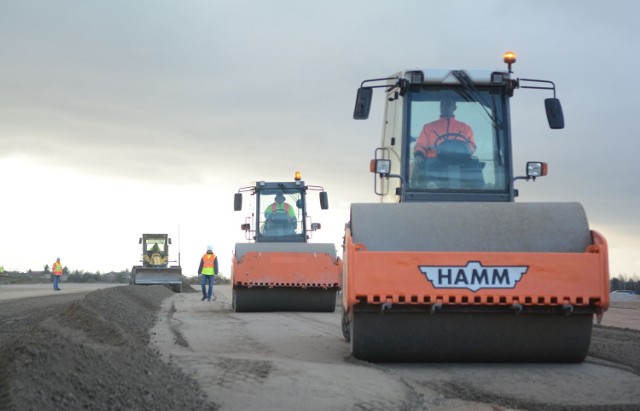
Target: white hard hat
{"type": "Point", "coordinates": [209, 248]}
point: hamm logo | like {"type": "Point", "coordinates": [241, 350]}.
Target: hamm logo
{"type": "Point", "coordinates": [473, 276]}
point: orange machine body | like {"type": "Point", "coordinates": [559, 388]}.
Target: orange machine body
{"type": "Point", "coordinates": [287, 269]}
{"type": "Point", "coordinates": [551, 279]}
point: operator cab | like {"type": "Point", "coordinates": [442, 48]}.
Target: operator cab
{"type": "Point", "coordinates": [280, 214]}
{"type": "Point", "coordinates": [447, 135]}
{"type": "Point", "coordinates": [446, 159]}
{"type": "Point", "coordinates": [155, 249]}
{"type": "Point", "coordinates": [280, 211]}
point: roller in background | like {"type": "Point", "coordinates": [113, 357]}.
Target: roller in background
{"type": "Point", "coordinates": [278, 269]}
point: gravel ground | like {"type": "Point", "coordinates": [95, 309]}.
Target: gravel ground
{"type": "Point", "coordinates": [67, 352]}
{"type": "Point", "coordinates": [618, 345]}
{"type": "Point", "coordinates": [91, 353]}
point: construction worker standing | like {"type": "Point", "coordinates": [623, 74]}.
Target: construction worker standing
{"type": "Point", "coordinates": [208, 268]}
{"type": "Point", "coordinates": [56, 269]}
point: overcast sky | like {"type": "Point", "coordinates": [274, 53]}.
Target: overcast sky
{"type": "Point", "coordinates": [122, 117]}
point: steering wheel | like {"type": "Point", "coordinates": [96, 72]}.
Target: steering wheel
{"type": "Point", "coordinates": [453, 147]}
{"type": "Point", "coordinates": [278, 218]}
{"type": "Point", "coordinates": [279, 224]}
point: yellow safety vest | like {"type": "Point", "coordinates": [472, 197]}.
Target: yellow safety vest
{"type": "Point", "coordinates": [207, 264]}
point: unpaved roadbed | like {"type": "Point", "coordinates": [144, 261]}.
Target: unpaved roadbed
{"type": "Point", "coordinates": [136, 347]}
{"type": "Point", "coordinates": [68, 352]}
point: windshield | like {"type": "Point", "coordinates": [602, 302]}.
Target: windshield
{"type": "Point", "coordinates": [155, 245]}
{"type": "Point", "coordinates": [281, 213]}
{"type": "Point", "coordinates": [457, 141]}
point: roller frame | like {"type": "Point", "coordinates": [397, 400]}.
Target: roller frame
{"type": "Point", "coordinates": [264, 299]}
{"type": "Point", "coordinates": [393, 313]}
{"type": "Point", "coordinates": [285, 277]}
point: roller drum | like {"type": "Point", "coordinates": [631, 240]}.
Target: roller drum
{"type": "Point", "coordinates": [499, 227]}
{"type": "Point", "coordinates": [481, 334]}
{"type": "Point", "coordinates": [263, 299]}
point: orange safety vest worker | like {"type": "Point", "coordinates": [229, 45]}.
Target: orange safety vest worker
{"type": "Point", "coordinates": [57, 268]}
{"type": "Point", "coordinates": [454, 129]}
{"type": "Point", "coordinates": [275, 207]}
{"type": "Point", "coordinates": [208, 264]}
{"type": "Point", "coordinates": [280, 207]}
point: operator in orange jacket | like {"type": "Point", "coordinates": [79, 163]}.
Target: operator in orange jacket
{"type": "Point", "coordinates": [444, 129]}
{"type": "Point", "coordinates": [208, 268]}
{"type": "Point", "coordinates": [56, 269]}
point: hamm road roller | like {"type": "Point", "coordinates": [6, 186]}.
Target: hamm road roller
{"type": "Point", "coordinates": [447, 267]}
{"type": "Point", "coordinates": [278, 269]}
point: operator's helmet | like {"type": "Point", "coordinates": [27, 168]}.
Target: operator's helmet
{"type": "Point", "coordinates": [448, 100]}
{"type": "Point", "coordinates": [279, 197]}
{"type": "Point", "coordinates": [209, 248]}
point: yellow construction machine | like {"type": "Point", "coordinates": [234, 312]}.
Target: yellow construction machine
{"type": "Point", "coordinates": [155, 268]}
{"type": "Point", "coordinates": [448, 267]}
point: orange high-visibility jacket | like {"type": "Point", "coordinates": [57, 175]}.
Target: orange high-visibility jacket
{"type": "Point", "coordinates": [208, 264]}
{"type": "Point", "coordinates": [275, 207]}
{"type": "Point", "coordinates": [430, 132]}
{"type": "Point", "coordinates": [56, 268]}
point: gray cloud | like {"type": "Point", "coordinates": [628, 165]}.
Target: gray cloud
{"type": "Point", "coordinates": [192, 92]}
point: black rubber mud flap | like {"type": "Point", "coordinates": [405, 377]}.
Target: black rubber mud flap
{"type": "Point", "coordinates": [346, 326]}
{"type": "Point", "coordinates": [258, 299]}
{"type": "Point", "coordinates": [464, 337]}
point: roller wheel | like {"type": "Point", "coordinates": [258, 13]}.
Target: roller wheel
{"type": "Point", "coordinates": [259, 299]}
{"type": "Point", "coordinates": [422, 337]}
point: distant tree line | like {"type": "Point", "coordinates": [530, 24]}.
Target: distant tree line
{"type": "Point", "coordinates": [625, 282]}
{"type": "Point", "coordinates": [80, 276]}
{"type": "Point", "coordinates": [619, 282]}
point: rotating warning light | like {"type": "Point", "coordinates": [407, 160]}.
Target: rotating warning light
{"type": "Point", "coordinates": [298, 176]}
{"type": "Point", "coordinates": [509, 57]}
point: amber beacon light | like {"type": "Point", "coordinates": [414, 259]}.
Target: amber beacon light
{"type": "Point", "coordinates": [509, 57]}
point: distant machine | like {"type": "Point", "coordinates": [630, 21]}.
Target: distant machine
{"type": "Point", "coordinates": [448, 267]}
{"type": "Point", "coordinates": [155, 267]}
{"type": "Point", "coordinates": [278, 269]}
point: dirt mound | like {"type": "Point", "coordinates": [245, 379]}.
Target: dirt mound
{"type": "Point", "coordinates": [93, 354]}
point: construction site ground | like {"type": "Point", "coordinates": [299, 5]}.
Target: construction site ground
{"type": "Point", "coordinates": [146, 348]}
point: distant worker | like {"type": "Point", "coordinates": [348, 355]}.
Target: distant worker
{"type": "Point", "coordinates": [279, 207]}
{"type": "Point", "coordinates": [445, 129]}
{"type": "Point", "coordinates": [208, 268]}
{"type": "Point", "coordinates": [56, 269]}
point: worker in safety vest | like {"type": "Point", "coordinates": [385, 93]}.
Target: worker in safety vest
{"type": "Point", "coordinates": [208, 268]}
{"type": "Point", "coordinates": [280, 207]}
{"type": "Point", "coordinates": [56, 269]}
{"type": "Point", "coordinates": [446, 128]}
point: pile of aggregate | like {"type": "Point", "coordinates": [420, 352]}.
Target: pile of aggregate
{"type": "Point", "coordinates": [91, 354]}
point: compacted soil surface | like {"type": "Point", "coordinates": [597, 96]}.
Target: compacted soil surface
{"type": "Point", "coordinates": [93, 351]}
